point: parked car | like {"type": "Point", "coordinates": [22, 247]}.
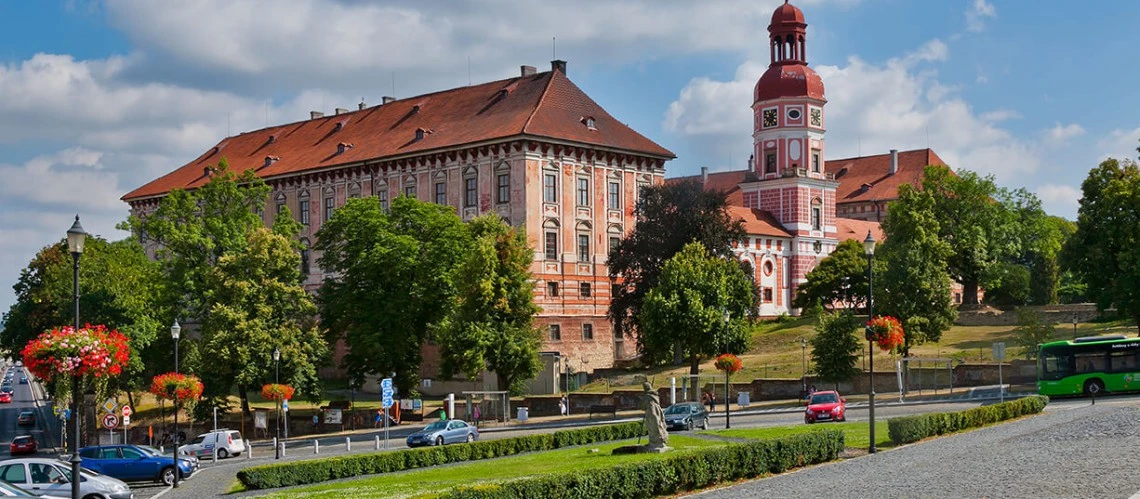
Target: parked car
{"type": "Point", "coordinates": [444, 432]}
{"type": "Point", "coordinates": [825, 406]}
{"type": "Point", "coordinates": [686, 416]}
{"type": "Point", "coordinates": [131, 463]}
{"type": "Point", "coordinates": [26, 418]}
{"type": "Point", "coordinates": [228, 442]}
{"type": "Point", "coordinates": [51, 477]}
{"type": "Point", "coordinates": [155, 452]}
{"type": "Point", "coordinates": [24, 444]}
{"type": "Point", "coordinates": [5, 397]}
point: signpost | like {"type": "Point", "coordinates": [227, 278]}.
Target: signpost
{"type": "Point", "coordinates": [386, 402]}
{"type": "Point", "coordinates": [999, 355]}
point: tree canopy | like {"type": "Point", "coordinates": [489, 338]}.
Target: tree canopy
{"type": "Point", "coordinates": [835, 347]}
{"type": "Point", "coordinates": [838, 280]}
{"type": "Point", "coordinates": [687, 309]}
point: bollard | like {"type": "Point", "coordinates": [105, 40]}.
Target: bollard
{"type": "Point", "coordinates": [215, 454]}
{"type": "Point", "coordinates": [249, 451]}
{"type": "Point", "coordinates": [347, 444]}
{"type": "Point", "coordinates": [377, 442]}
{"type": "Point", "coordinates": [316, 447]}
{"type": "Point", "coordinates": [282, 444]}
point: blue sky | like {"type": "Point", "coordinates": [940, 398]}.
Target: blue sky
{"type": "Point", "coordinates": [99, 97]}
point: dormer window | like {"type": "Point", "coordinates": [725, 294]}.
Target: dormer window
{"type": "Point", "coordinates": [865, 187]}
{"type": "Point", "coordinates": [420, 133]}
{"type": "Point", "coordinates": [269, 160]}
{"type": "Point", "coordinates": [272, 139]}
{"type": "Point", "coordinates": [589, 122]}
{"type": "Point", "coordinates": [343, 146]}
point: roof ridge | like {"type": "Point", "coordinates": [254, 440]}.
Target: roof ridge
{"type": "Point", "coordinates": [541, 99]}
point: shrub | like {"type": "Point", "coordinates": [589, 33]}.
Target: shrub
{"type": "Point", "coordinates": [909, 429]}
{"type": "Point", "coordinates": [320, 470]}
{"type": "Point", "coordinates": [675, 473]}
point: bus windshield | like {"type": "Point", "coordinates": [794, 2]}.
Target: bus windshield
{"type": "Point", "coordinates": [1055, 363]}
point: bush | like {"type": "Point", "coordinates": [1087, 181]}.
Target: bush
{"type": "Point", "coordinates": [320, 470]}
{"type": "Point", "coordinates": [673, 474]}
{"type": "Point", "coordinates": [907, 429]}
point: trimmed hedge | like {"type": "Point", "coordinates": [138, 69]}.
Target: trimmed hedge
{"type": "Point", "coordinates": [907, 429]}
{"type": "Point", "coordinates": [320, 470]}
{"type": "Point", "coordinates": [672, 474]}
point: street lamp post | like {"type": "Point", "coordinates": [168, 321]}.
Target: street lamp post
{"type": "Point", "coordinates": [1074, 326]}
{"type": "Point", "coordinates": [727, 403]}
{"type": "Point", "coordinates": [803, 365]}
{"type": "Point", "coordinates": [277, 380]}
{"type": "Point", "coordinates": [175, 333]}
{"type": "Point", "coordinates": [75, 239]}
{"type": "Point", "coordinates": [869, 250]}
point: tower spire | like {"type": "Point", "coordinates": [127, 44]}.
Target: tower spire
{"type": "Point", "coordinates": [786, 35]}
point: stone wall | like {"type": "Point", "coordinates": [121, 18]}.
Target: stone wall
{"type": "Point", "coordinates": [1056, 314]}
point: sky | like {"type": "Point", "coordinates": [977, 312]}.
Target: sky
{"type": "Point", "coordinates": [98, 97]}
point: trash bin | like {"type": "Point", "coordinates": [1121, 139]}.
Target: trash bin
{"type": "Point", "coordinates": [522, 414]}
{"type": "Point", "coordinates": [742, 399]}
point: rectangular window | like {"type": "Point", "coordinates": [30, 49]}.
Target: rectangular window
{"type": "Point", "coordinates": [767, 295]}
{"type": "Point", "coordinates": [615, 196]}
{"type": "Point", "coordinates": [551, 288]}
{"type": "Point", "coordinates": [410, 191]}
{"type": "Point", "coordinates": [770, 162]}
{"type": "Point", "coordinates": [583, 248]}
{"type": "Point", "coordinates": [383, 197]}
{"type": "Point", "coordinates": [328, 208]}
{"type": "Point", "coordinates": [304, 212]}
{"type": "Point", "coordinates": [584, 289]}
{"type": "Point", "coordinates": [815, 166]}
{"type": "Point", "coordinates": [280, 207]}
{"type": "Point", "coordinates": [587, 331]}
{"type": "Point", "coordinates": [550, 188]}
{"type": "Point", "coordinates": [555, 332]}
{"type": "Point", "coordinates": [816, 223]}
{"type": "Point", "coordinates": [503, 194]}
{"type": "Point", "coordinates": [470, 192]}
{"type": "Point", "coordinates": [614, 242]}
{"type": "Point", "coordinates": [552, 246]}
{"type": "Point", "coordinates": [583, 192]}
{"type": "Point", "coordinates": [440, 193]}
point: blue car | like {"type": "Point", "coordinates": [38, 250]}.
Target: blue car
{"type": "Point", "coordinates": [133, 463]}
{"type": "Point", "coordinates": [444, 432]}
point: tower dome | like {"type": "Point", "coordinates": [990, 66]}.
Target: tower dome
{"type": "Point", "coordinates": [788, 74]}
{"type": "Point", "coordinates": [787, 14]}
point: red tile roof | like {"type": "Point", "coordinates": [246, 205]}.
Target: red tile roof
{"type": "Point", "coordinates": [728, 182]}
{"type": "Point", "coordinates": [545, 105]}
{"type": "Point", "coordinates": [853, 173]}
{"type": "Point", "coordinates": [758, 222]}
{"type": "Point", "coordinates": [848, 228]}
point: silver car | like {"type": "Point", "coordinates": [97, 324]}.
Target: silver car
{"type": "Point", "coordinates": [444, 432]}
{"type": "Point", "coordinates": [51, 477]}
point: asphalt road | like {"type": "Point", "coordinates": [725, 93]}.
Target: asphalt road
{"type": "Point", "coordinates": [26, 397]}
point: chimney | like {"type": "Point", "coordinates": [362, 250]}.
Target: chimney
{"type": "Point", "coordinates": [704, 175]}
{"type": "Point", "coordinates": [387, 100]}
{"type": "Point", "coordinates": [316, 114]}
{"type": "Point", "coordinates": [361, 106]}
{"type": "Point", "coordinates": [527, 70]}
{"type": "Point", "coordinates": [558, 65]}
{"type": "Point", "coordinates": [341, 110]}
{"type": "Point", "coordinates": [894, 161]}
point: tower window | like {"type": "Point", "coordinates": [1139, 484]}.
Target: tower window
{"type": "Point", "coordinates": [587, 331]}
{"type": "Point", "coordinates": [551, 288]}
{"type": "Point", "coordinates": [816, 215]}
{"type": "Point", "coordinates": [555, 332]}
{"type": "Point", "coordinates": [769, 162]}
{"type": "Point", "coordinates": [815, 166]}
{"type": "Point", "coordinates": [584, 289]}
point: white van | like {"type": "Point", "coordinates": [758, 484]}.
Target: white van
{"type": "Point", "coordinates": [228, 442]}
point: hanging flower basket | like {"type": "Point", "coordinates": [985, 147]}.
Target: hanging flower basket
{"type": "Point", "coordinates": [175, 386]}
{"type": "Point", "coordinates": [886, 331]}
{"type": "Point", "coordinates": [67, 352]}
{"type": "Point", "coordinates": [728, 363]}
{"type": "Point", "coordinates": [274, 391]}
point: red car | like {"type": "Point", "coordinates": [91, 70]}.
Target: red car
{"type": "Point", "coordinates": [5, 398]}
{"type": "Point", "coordinates": [825, 406]}
{"type": "Point", "coordinates": [23, 445]}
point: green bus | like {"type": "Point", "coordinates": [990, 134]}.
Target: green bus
{"type": "Point", "coordinates": [1089, 365]}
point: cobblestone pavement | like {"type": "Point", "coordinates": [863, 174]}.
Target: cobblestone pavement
{"type": "Point", "coordinates": [1072, 450]}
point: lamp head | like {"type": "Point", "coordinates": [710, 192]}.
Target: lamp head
{"type": "Point", "coordinates": [869, 244]}
{"type": "Point", "coordinates": [276, 354]}
{"type": "Point", "coordinates": [75, 237]}
{"type": "Point", "coordinates": [175, 330]}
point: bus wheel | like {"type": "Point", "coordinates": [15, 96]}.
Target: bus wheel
{"type": "Point", "coordinates": [1094, 387]}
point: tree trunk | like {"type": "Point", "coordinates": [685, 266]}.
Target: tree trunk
{"type": "Point", "coordinates": [694, 370]}
{"type": "Point", "coordinates": [130, 399]}
{"type": "Point", "coordinates": [504, 382]}
{"type": "Point", "coordinates": [243, 393]}
{"type": "Point", "coordinates": [970, 291]}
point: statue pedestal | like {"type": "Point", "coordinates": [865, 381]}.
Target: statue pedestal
{"type": "Point", "coordinates": [641, 449]}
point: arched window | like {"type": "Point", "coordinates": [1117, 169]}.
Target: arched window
{"type": "Point", "coordinates": [550, 239]}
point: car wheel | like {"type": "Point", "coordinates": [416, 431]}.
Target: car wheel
{"type": "Point", "coordinates": [168, 476]}
{"type": "Point", "coordinates": [689, 425]}
{"type": "Point", "coordinates": [222, 453]}
{"type": "Point", "coordinates": [705, 424]}
{"type": "Point", "coordinates": [470, 438]}
{"type": "Point", "coordinates": [439, 440]}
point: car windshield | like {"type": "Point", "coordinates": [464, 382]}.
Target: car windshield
{"type": "Point", "coordinates": [677, 409]}
{"type": "Point", "coordinates": [436, 426]}
{"type": "Point", "coordinates": [21, 440]}
{"type": "Point", "coordinates": [200, 439]}
{"type": "Point", "coordinates": [824, 398]}
{"type": "Point", "coordinates": [149, 450]}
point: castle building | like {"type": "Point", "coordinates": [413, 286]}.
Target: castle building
{"type": "Point", "coordinates": [534, 149]}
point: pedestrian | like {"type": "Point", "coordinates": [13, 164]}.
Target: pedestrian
{"type": "Point", "coordinates": [377, 419]}
{"type": "Point", "coordinates": [712, 402]}
{"type": "Point", "coordinates": [476, 413]}
{"type": "Point", "coordinates": [705, 400]}
{"type": "Point", "coordinates": [562, 406]}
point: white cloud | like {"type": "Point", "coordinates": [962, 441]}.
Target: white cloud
{"type": "Point", "coordinates": [1059, 198]}
{"type": "Point", "coordinates": [1120, 143]}
{"type": "Point", "coordinates": [1062, 133]}
{"type": "Point", "coordinates": [977, 14]}
{"type": "Point", "coordinates": [871, 109]}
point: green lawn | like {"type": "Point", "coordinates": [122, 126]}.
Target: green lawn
{"type": "Point", "coordinates": [428, 482]}
{"type": "Point", "coordinates": [858, 434]}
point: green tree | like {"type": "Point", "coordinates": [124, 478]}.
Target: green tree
{"type": "Point", "coordinates": [491, 327]}
{"type": "Point", "coordinates": [974, 220]}
{"type": "Point", "coordinates": [686, 310]}
{"type": "Point", "coordinates": [839, 279]}
{"type": "Point", "coordinates": [835, 347]}
{"type": "Point", "coordinates": [1007, 284]}
{"type": "Point", "coordinates": [1104, 252]}
{"type": "Point", "coordinates": [1031, 332]}
{"type": "Point", "coordinates": [669, 216]}
{"type": "Point", "coordinates": [915, 287]}
{"type": "Point", "coordinates": [259, 304]}
{"type": "Point", "coordinates": [392, 278]}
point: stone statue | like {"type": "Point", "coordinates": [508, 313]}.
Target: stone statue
{"type": "Point", "coordinates": [655, 421]}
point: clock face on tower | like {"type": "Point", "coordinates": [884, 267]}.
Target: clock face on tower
{"type": "Point", "coordinates": [769, 118]}
{"type": "Point", "coordinates": [816, 117]}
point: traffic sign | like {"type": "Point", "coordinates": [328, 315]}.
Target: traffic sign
{"type": "Point", "coordinates": [110, 421]}
{"type": "Point", "coordinates": [126, 411]}
{"type": "Point", "coordinates": [110, 405]}
{"type": "Point", "coordinates": [386, 383]}
{"type": "Point", "coordinates": [57, 410]}
{"type": "Point", "coordinates": [126, 420]}
{"type": "Point", "coordinates": [999, 351]}
{"type": "Point", "coordinates": [386, 402]}
{"type": "Point", "coordinates": [285, 405]}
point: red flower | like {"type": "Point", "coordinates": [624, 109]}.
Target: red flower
{"type": "Point", "coordinates": [274, 391]}
{"type": "Point", "coordinates": [886, 331]}
{"type": "Point", "coordinates": [175, 386]}
{"type": "Point", "coordinates": [65, 351]}
{"type": "Point", "coordinates": [729, 363]}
